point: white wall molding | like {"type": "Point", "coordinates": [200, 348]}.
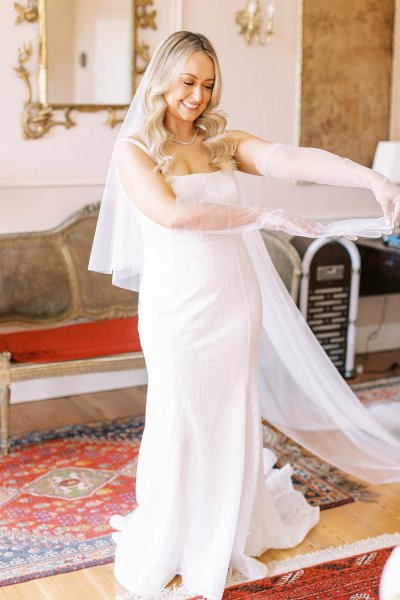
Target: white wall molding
{"type": "Point", "coordinates": [71, 385]}
{"type": "Point", "coordinates": [298, 74]}
{"type": "Point", "coordinates": [177, 15]}
{"type": "Point", "coordinates": [52, 182]}
{"type": "Point", "coordinates": [394, 130]}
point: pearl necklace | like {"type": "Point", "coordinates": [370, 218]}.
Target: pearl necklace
{"type": "Point", "coordinates": [186, 143]}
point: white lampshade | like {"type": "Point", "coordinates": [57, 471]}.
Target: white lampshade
{"type": "Point", "coordinates": [387, 160]}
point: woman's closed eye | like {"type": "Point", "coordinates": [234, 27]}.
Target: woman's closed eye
{"type": "Point", "coordinates": [208, 87]}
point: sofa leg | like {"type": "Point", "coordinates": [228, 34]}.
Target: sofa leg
{"type": "Point", "coordinates": [4, 400]}
{"type": "Point", "coordinates": [5, 418]}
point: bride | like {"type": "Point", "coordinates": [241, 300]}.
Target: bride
{"type": "Point", "coordinates": [222, 339]}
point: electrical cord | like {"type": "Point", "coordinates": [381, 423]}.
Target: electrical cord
{"type": "Point", "coordinates": [374, 334]}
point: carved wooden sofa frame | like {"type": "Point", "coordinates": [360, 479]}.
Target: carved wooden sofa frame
{"type": "Point", "coordinates": [44, 282]}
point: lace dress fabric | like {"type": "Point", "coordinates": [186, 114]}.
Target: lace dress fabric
{"type": "Point", "coordinates": [208, 496]}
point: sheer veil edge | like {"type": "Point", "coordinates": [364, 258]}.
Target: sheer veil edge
{"type": "Point", "coordinates": [304, 396]}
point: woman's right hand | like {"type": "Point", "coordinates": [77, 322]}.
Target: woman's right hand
{"type": "Point", "coordinates": [282, 220]}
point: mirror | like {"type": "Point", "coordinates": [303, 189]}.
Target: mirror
{"type": "Point", "coordinates": [89, 58]}
{"type": "Point", "coordinates": [86, 41]}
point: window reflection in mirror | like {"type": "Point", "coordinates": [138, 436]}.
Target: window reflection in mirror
{"type": "Point", "coordinates": [89, 51]}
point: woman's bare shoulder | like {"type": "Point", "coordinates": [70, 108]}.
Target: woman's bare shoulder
{"type": "Point", "coordinates": [134, 142]}
{"type": "Point", "coordinates": [133, 151]}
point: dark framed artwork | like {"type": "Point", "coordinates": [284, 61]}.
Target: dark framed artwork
{"type": "Point", "coordinates": [347, 53]}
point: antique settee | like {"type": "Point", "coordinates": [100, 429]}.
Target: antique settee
{"type": "Point", "coordinates": [56, 317]}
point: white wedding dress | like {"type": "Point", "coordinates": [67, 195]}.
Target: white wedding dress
{"type": "Point", "coordinates": [203, 501]}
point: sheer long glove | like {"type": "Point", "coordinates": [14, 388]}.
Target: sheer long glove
{"type": "Point", "coordinates": [209, 217]}
{"type": "Point", "coordinates": [319, 166]}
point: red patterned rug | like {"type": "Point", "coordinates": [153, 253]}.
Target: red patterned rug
{"type": "Point", "coordinates": [347, 579]}
{"type": "Point", "coordinates": [354, 577]}
{"type": "Point", "coordinates": [59, 487]}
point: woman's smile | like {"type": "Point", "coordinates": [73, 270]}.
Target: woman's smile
{"type": "Point", "coordinates": [190, 105]}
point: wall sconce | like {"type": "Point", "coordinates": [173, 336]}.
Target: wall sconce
{"type": "Point", "coordinates": [250, 21]}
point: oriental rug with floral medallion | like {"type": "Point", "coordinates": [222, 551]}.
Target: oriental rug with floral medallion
{"type": "Point", "coordinates": [58, 489]}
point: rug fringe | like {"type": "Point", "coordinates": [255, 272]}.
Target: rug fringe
{"type": "Point", "coordinates": [180, 592]}
{"type": "Point", "coordinates": [277, 567]}
{"type": "Point", "coordinates": [176, 592]}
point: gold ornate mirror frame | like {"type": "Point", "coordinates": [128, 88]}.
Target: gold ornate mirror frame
{"type": "Point", "coordinates": [38, 115]}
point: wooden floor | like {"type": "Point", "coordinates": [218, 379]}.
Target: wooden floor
{"type": "Point", "coordinates": [337, 526]}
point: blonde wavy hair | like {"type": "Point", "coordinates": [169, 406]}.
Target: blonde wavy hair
{"type": "Point", "coordinates": [166, 67]}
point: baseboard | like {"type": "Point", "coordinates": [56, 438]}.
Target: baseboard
{"type": "Point", "coordinates": [72, 385]}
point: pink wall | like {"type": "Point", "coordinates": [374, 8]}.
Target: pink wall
{"type": "Point", "coordinates": [42, 181]}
